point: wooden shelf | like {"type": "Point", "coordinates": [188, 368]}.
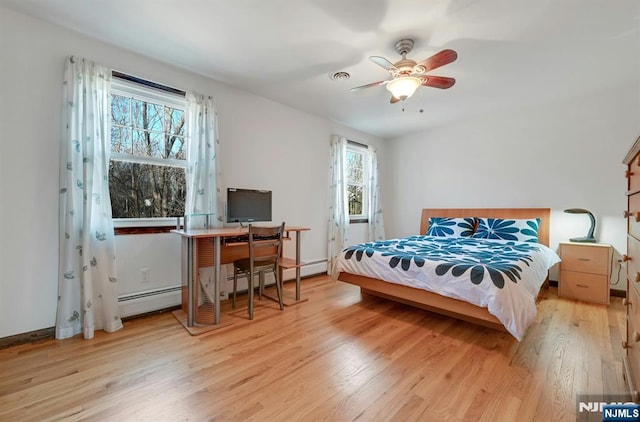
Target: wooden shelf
{"type": "Point", "coordinates": [288, 263]}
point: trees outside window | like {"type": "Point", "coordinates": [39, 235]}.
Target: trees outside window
{"type": "Point", "coordinates": [148, 153]}
{"type": "Point", "coordinates": [357, 176]}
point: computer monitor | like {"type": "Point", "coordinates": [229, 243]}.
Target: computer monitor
{"type": "Point", "coordinates": [248, 205]}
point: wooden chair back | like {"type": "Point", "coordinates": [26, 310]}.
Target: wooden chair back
{"type": "Point", "coordinates": [265, 243]}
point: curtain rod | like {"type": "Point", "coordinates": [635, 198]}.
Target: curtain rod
{"type": "Point", "coordinates": [357, 143]}
{"type": "Point", "coordinates": [144, 82]}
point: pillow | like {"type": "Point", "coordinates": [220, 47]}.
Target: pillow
{"type": "Point", "coordinates": [451, 227]}
{"type": "Point", "coordinates": [520, 230]}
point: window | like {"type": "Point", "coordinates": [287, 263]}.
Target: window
{"type": "Point", "coordinates": [148, 152]}
{"type": "Point", "coordinates": [357, 177]}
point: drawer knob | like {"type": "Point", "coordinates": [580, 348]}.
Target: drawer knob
{"type": "Point", "coordinates": [626, 258]}
{"type": "Point", "coordinates": [626, 302]}
{"type": "Point", "coordinates": [636, 336]}
{"type": "Point", "coordinates": [628, 173]}
{"type": "Point", "coordinates": [627, 214]}
{"type": "Point", "coordinates": [625, 345]}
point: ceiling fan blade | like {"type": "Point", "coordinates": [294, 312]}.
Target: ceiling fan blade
{"type": "Point", "coordinates": [381, 61]}
{"type": "Point", "coordinates": [369, 85]}
{"type": "Point", "coordinates": [439, 59]}
{"type": "Point", "coordinates": [438, 82]}
{"type": "Point", "coordinates": [394, 100]}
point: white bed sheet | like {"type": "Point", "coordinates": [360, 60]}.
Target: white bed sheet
{"type": "Point", "coordinates": [502, 276]}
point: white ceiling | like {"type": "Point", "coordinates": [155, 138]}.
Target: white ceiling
{"type": "Point", "coordinates": [511, 53]}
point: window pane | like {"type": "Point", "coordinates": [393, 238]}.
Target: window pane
{"type": "Point", "coordinates": [148, 144]}
{"type": "Point", "coordinates": [151, 131]}
{"type": "Point", "coordinates": [147, 115]}
{"type": "Point", "coordinates": [174, 121]}
{"type": "Point", "coordinates": [120, 110]}
{"type": "Point", "coordinates": [146, 191]}
{"type": "Point", "coordinates": [355, 199]}
{"type": "Point", "coordinates": [175, 147]}
{"type": "Point", "coordinates": [120, 140]}
{"type": "Point", "coordinates": [354, 167]}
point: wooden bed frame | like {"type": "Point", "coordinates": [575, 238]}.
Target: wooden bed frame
{"type": "Point", "coordinates": [442, 304]}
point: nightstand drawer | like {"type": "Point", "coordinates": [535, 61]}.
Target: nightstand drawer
{"type": "Point", "coordinates": [583, 286]}
{"type": "Point", "coordinates": [586, 259]}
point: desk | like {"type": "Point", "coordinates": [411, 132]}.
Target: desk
{"type": "Point", "coordinates": [193, 244]}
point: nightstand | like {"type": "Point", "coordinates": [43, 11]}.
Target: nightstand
{"type": "Point", "coordinates": [584, 271]}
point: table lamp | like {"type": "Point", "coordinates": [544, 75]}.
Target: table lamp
{"type": "Point", "coordinates": [589, 237]}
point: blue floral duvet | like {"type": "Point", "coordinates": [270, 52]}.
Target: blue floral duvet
{"type": "Point", "coordinates": [502, 276]}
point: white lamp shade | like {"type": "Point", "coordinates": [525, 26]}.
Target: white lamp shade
{"type": "Point", "coordinates": [403, 88]}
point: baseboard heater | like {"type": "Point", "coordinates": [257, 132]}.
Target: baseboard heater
{"type": "Point", "coordinates": [148, 301]}
{"type": "Point", "coordinates": [139, 303]}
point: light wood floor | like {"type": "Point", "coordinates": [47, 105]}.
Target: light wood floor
{"type": "Point", "coordinates": [337, 357]}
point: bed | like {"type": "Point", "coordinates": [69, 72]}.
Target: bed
{"type": "Point", "coordinates": [493, 282]}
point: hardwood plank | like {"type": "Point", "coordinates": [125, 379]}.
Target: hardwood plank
{"type": "Point", "coordinates": [340, 357]}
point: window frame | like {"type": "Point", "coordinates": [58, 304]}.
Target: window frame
{"type": "Point", "coordinates": [355, 147]}
{"type": "Point", "coordinates": [129, 89]}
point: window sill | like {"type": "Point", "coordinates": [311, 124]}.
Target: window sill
{"type": "Point", "coordinates": [358, 220]}
{"type": "Point", "coordinates": [119, 231]}
{"type": "Point", "coordinates": [145, 222]}
{"type": "Point", "coordinates": [127, 226]}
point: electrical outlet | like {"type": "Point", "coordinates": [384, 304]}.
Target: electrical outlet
{"type": "Point", "coordinates": [144, 275]}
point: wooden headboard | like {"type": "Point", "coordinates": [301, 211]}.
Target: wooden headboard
{"type": "Point", "coordinates": [543, 213]}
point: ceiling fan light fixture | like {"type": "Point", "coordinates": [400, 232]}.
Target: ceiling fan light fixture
{"type": "Point", "coordinates": [404, 87]}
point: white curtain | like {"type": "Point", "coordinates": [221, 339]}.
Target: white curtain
{"type": "Point", "coordinates": [87, 293]}
{"type": "Point", "coordinates": [204, 196]}
{"type": "Point", "coordinates": [376, 222]}
{"type": "Point", "coordinates": [338, 231]}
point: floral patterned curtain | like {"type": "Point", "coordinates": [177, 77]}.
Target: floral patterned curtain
{"type": "Point", "coordinates": [204, 196]}
{"type": "Point", "coordinates": [338, 231]}
{"type": "Point", "coordinates": [87, 293]}
{"type": "Point", "coordinates": [376, 222]}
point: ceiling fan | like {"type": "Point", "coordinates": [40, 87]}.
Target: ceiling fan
{"type": "Point", "coordinates": [407, 75]}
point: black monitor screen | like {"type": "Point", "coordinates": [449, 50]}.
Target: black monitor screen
{"type": "Point", "coordinates": [246, 205]}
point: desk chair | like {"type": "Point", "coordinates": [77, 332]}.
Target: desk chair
{"type": "Point", "coordinates": [265, 247]}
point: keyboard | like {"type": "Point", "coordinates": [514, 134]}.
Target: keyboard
{"type": "Point", "coordinates": [244, 238]}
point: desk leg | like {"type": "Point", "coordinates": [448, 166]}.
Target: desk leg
{"type": "Point", "coordinates": [297, 266]}
{"type": "Point", "coordinates": [216, 289]}
{"type": "Point", "coordinates": [287, 300]}
{"type": "Point", "coordinates": [191, 282]}
{"type": "Point", "coordinates": [197, 318]}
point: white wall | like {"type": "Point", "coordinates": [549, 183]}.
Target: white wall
{"type": "Point", "coordinates": [263, 144]}
{"type": "Point", "coordinates": [560, 155]}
